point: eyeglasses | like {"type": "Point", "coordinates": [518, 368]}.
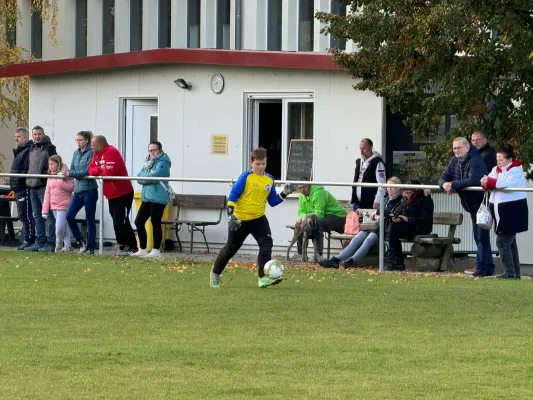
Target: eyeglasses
{"type": "Point", "coordinates": [152, 150]}
{"type": "Point", "coordinates": [458, 148]}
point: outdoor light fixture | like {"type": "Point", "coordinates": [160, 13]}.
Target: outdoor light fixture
{"type": "Point", "coordinates": [182, 84]}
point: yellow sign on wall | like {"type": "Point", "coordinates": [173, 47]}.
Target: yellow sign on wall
{"type": "Point", "coordinates": [219, 144]}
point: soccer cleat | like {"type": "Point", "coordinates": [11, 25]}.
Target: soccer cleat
{"type": "Point", "coordinates": [265, 281]}
{"type": "Point", "coordinates": [214, 280]}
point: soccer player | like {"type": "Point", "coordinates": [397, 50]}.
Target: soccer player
{"type": "Point", "coordinates": [246, 215]}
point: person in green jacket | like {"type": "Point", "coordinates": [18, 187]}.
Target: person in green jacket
{"type": "Point", "coordinates": [314, 199]}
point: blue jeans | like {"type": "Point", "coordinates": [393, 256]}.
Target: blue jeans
{"type": "Point", "coordinates": [87, 199]}
{"type": "Point", "coordinates": [359, 246]}
{"type": "Point", "coordinates": [37, 199]}
{"type": "Point", "coordinates": [484, 261]}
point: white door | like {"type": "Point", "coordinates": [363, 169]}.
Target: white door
{"type": "Point", "coordinates": [141, 121]}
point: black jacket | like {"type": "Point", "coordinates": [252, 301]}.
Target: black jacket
{"type": "Point", "coordinates": [368, 194]}
{"type": "Point", "coordinates": [38, 161]}
{"type": "Point", "coordinates": [20, 166]}
{"type": "Point", "coordinates": [392, 207]}
{"type": "Point", "coordinates": [420, 214]}
{"type": "Point", "coordinates": [465, 173]}
{"type": "Point", "coordinates": [489, 156]}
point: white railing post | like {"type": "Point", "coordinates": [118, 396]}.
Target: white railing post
{"type": "Point", "coordinates": [381, 231]}
{"type": "Point", "coordinates": [101, 206]}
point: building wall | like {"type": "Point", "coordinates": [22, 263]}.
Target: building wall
{"type": "Point", "coordinates": [64, 105]}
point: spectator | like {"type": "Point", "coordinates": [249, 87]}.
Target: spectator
{"type": "Point", "coordinates": [365, 240]}
{"type": "Point", "coordinates": [487, 152]}
{"type": "Point", "coordinates": [40, 151]}
{"type": "Point", "coordinates": [107, 161]}
{"type": "Point", "coordinates": [154, 198]}
{"type": "Point", "coordinates": [464, 170]}
{"type": "Point", "coordinates": [85, 193]}
{"type": "Point", "coordinates": [415, 218]}
{"type": "Point", "coordinates": [18, 185]}
{"type": "Point", "coordinates": [314, 199]}
{"type": "Point", "coordinates": [56, 199]}
{"type": "Point", "coordinates": [509, 209]}
{"type": "Point", "coordinates": [370, 168]}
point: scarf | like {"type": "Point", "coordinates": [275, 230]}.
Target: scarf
{"type": "Point", "coordinates": [149, 162]}
{"type": "Point", "coordinates": [399, 193]}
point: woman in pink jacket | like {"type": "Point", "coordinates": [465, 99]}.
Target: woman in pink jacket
{"type": "Point", "coordinates": [57, 198]}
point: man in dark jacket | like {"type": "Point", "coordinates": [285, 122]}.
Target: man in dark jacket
{"type": "Point", "coordinates": [488, 153]}
{"type": "Point", "coordinates": [40, 151]}
{"type": "Point", "coordinates": [464, 170]}
{"type": "Point", "coordinates": [18, 185]}
{"type": "Point", "coordinates": [370, 168]}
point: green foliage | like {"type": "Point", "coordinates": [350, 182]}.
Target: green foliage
{"type": "Point", "coordinates": [473, 59]}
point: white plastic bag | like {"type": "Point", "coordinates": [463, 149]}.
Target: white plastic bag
{"type": "Point", "coordinates": [484, 217]}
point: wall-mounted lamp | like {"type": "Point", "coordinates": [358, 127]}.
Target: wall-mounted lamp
{"type": "Point", "coordinates": [180, 82]}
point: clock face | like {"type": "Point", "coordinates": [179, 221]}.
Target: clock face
{"type": "Point", "coordinates": [217, 83]}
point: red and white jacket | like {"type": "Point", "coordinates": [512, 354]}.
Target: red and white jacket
{"type": "Point", "coordinates": [109, 162]}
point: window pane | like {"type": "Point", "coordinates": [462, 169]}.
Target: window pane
{"type": "Point", "coordinates": [81, 28]}
{"type": "Point", "coordinates": [108, 34]}
{"type": "Point", "coordinates": [193, 23]}
{"type": "Point", "coordinates": [339, 9]}
{"type": "Point", "coordinates": [306, 25]}
{"type": "Point", "coordinates": [223, 24]}
{"type": "Point", "coordinates": [36, 35]}
{"type": "Point", "coordinates": [300, 120]}
{"type": "Point", "coordinates": [274, 25]}
{"type": "Point", "coordinates": [136, 25]}
{"type": "Point", "coordinates": [153, 127]}
{"type": "Point", "coordinates": [165, 23]}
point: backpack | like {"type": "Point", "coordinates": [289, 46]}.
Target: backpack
{"type": "Point", "coordinates": [351, 227]}
{"type": "Point", "coordinates": [169, 190]}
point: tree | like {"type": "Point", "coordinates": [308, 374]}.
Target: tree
{"type": "Point", "coordinates": [14, 92]}
{"type": "Point", "coordinates": [429, 58]}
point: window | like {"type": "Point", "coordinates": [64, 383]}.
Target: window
{"type": "Point", "coordinates": [11, 31]}
{"type": "Point", "coordinates": [274, 25]}
{"type": "Point", "coordinates": [81, 28]}
{"type": "Point", "coordinates": [165, 23]}
{"type": "Point", "coordinates": [306, 25]}
{"type": "Point", "coordinates": [136, 25]}
{"type": "Point", "coordinates": [223, 24]}
{"type": "Point", "coordinates": [108, 27]}
{"type": "Point", "coordinates": [273, 120]}
{"type": "Point", "coordinates": [154, 120]}
{"type": "Point", "coordinates": [193, 23]}
{"type": "Point", "coordinates": [36, 34]}
{"type": "Point", "coordinates": [339, 9]}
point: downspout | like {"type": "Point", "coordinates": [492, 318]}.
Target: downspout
{"type": "Point", "coordinates": [238, 24]}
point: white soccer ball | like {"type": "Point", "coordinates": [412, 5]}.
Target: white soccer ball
{"type": "Point", "coordinates": [274, 269]}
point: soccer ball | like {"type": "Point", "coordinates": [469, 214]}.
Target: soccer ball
{"type": "Point", "coordinates": [274, 269]}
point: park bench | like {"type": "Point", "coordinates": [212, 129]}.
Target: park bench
{"type": "Point", "coordinates": [184, 202]}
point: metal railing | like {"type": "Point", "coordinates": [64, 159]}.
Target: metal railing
{"type": "Point", "coordinates": [380, 186]}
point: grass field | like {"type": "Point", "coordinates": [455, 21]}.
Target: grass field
{"type": "Point", "coordinates": [76, 327]}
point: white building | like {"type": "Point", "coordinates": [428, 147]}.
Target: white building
{"type": "Point", "coordinates": [259, 72]}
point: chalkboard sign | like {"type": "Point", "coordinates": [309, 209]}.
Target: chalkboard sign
{"type": "Point", "coordinates": [300, 163]}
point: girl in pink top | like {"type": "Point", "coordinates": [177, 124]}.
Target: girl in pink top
{"type": "Point", "coordinates": [57, 198]}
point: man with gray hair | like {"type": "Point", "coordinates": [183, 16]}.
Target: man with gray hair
{"type": "Point", "coordinates": [464, 170]}
{"type": "Point", "coordinates": [18, 185]}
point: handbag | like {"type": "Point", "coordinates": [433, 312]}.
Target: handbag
{"type": "Point", "coordinates": [352, 224]}
{"type": "Point", "coordinates": [484, 217]}
{"type": "Point", "coordinates": [169, 190]}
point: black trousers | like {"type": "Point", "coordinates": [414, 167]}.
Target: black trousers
{"type": "Point", "coordinates": [260, 229]}
{"type": "Point", "coordinates": [154, 211]}
{"type": "Point", "coordinates": [399, 230]}
{"type": "Point", "coordinates": [120, 208]}
{"type": "Point", "coordinates": [25, 214]}
{"type": "Point", "coordinates": [327, 224]}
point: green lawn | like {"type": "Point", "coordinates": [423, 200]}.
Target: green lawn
{"type": "Point", "coordinates": [75, 327]}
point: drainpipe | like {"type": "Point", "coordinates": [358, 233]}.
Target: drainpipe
{"type": "Point", "coordinates": [238, 24]}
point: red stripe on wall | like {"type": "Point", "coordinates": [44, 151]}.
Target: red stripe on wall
{"type": "Point", "coordinates": [237, 58]}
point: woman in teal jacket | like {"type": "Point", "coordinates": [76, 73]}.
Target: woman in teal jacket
{"type": "Point", "coordinates": [154, 196]}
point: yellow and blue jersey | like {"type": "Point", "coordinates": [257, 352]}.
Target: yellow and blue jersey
{"type": "Point", "coordinates": [250, 195]}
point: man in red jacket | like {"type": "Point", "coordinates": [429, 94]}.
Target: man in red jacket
{"type": "Point", "coordinates": [107, 161]}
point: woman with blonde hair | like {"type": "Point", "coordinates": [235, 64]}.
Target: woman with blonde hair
{"type": "Point", "coordinates": [57, 198]}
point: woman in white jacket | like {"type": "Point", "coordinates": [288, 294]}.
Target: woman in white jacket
{"type": "Point", "coordinates": [508, 208]}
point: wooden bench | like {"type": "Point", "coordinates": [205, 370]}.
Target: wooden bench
{"type": "Point", "coordinates": [195, 202]}
{"type": "Point", "coordinates": [431, 253]}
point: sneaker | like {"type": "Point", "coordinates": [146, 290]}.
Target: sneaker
{"type": "Point", "coordinates": [82, 245]}
{"type": "Point", "coordinates": [34, 247]}
{"type": "Point", "coordinates": [214, 280]}
{"type": "Point", "coordinates": [265, 281]}
{"type": "Point", "coordinates": [140, 253]}
{"type": "Point", "coordinates": [59, 247]}
{"type": "Point", "coordinates": [331, 263]}
{"type": "Point", "coordinates": [478, 274]}
{"type": "Point", "coordinates": [24, 246]}
{"type": "Point", "coordinates": [470, 271]}
{"type": "Point", "coordinates": [88, 252]}
{"type": "Point", "coordinates": [502, 276]}
{"type": "Point", "coordinates": [348, 263]}
{"type": "Point", "coordinates": [153, 254]}
{"type": "Point", "coordinates": [127, 251]}
{"type": "Point", "coordinates": [47, 248]}
{"type": "Point", "coordinates": [65, 249]}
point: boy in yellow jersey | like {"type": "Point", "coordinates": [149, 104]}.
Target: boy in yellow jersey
{"type": "Point", "coordinates": [246, 215]}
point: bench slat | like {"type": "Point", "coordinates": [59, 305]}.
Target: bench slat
{"type": "Point", "coordinates": [447, 218]}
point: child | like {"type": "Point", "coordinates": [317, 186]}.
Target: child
{"type": "Point", "coordinates": [246, 215]}
{"type": "Point", "coordinates": [57, 198]}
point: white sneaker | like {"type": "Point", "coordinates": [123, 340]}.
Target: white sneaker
{"type": "Point", "coordinates": [65, 250]}
{"type": "Point", "coordinates": [140, 253]}
{"type": "Point", "coordinates": [153, 254]}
